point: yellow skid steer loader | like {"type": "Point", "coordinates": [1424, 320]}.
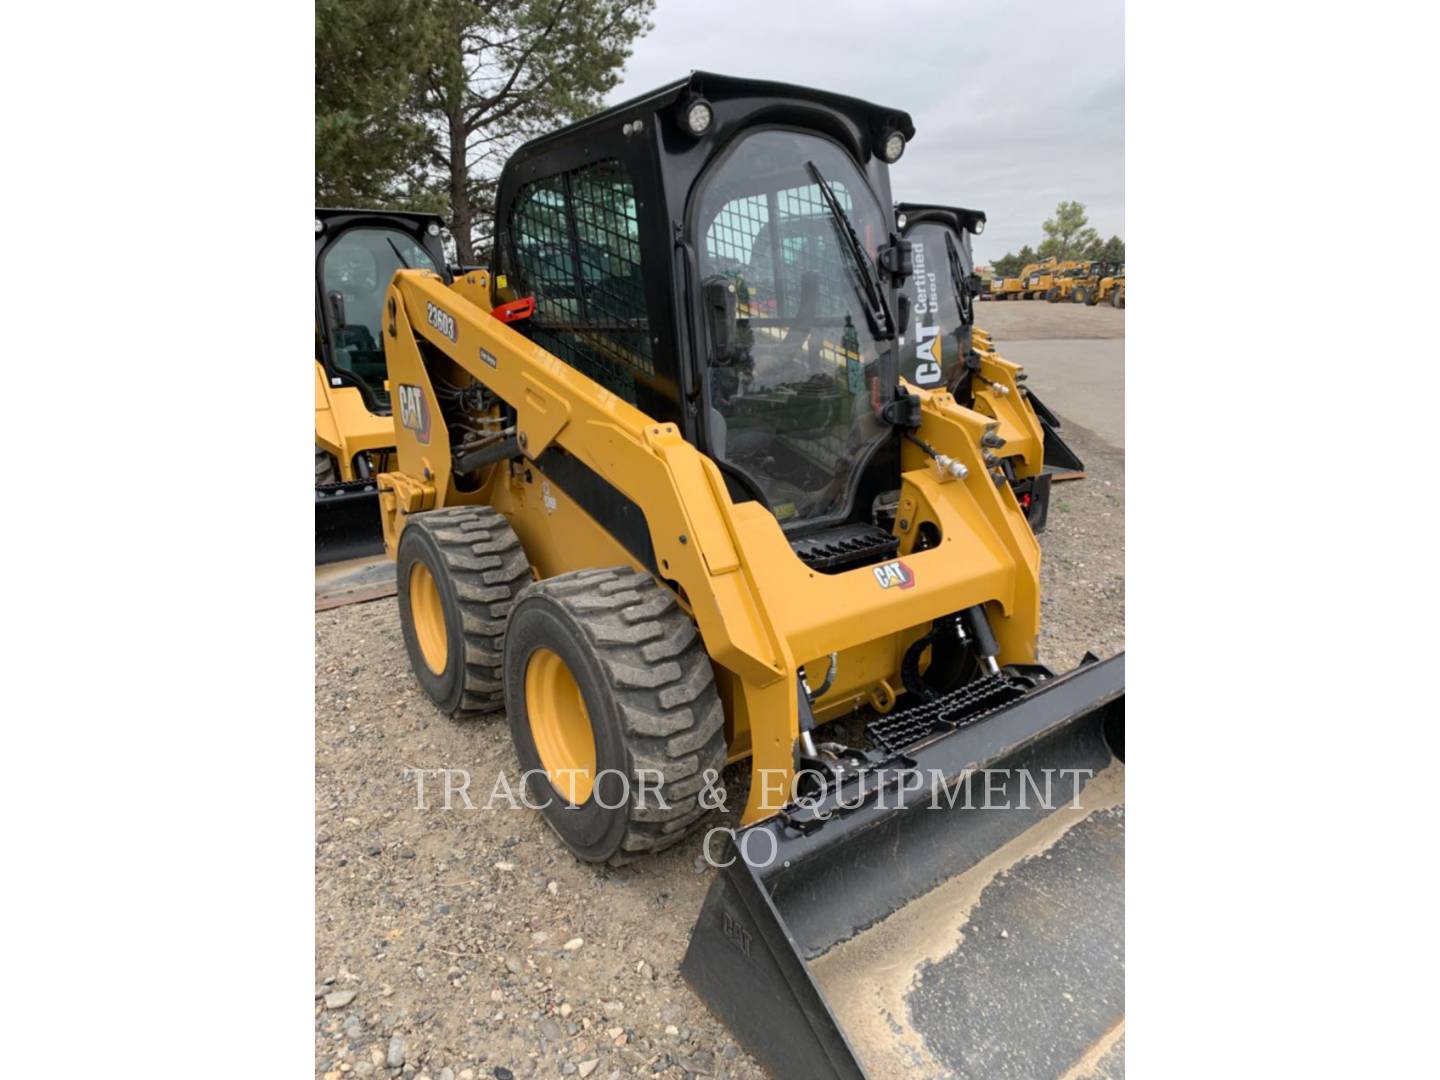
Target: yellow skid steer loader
{"type": "Point", "coordinates": [1111, 290]}
{"type": "Point", "coordinates": [666, 499]}
{"type": "Point", "coordinates": [356, 254]}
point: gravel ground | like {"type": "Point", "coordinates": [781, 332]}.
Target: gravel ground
{"type": "Point", "coordinates": [1082, 568]}
{"type": "Point", "coordinates": [466, 943]}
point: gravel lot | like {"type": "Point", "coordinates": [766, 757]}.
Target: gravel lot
{"type": "Point", "coordinates": [465, 943]}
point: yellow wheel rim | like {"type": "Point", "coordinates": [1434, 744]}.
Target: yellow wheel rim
{"type": "Point", "coordinates": [428, 616]}
{"type": "Point", "coordinates": [560, 726]}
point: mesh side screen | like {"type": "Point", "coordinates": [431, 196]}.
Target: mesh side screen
{"type": "Point", "coordinates": [543, 256]}
{"type": "Point", "coordinates": [577, 250]}
{"type": "Point", "coordinates": [608, 231]}
{"type": "Point", "coordinates": [771, 244]}
{"type": "Point", "coordinates": [810, 244]}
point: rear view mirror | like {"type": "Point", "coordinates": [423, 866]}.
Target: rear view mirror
{"type": "Point", "coordinates": [718, 295]}
{"type": "Point", "coordinates": [337, 310]}
{"type": "Point", "coordinates": [897, 258]}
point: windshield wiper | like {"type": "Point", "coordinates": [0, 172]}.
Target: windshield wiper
{"type": "Point", "coordinates": [395, 249]}
{"type": "Point", "coordinates": [958, 283]}
{"type": "Point", "coordinates": [863, 277]}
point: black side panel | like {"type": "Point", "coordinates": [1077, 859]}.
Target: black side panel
{"type": "Point", "coordinates": [1058, 455]}
{"type": "Point", "coordinates": [1038, 512]}
{"type": "Point", "coordinates": [347, 521]}
{"type": "Point", "coordinates": [604, 502]}
{"type": "Point", "coordinates": [1048, 418]}
{"type": "Point", "coordinates": [746, 968]}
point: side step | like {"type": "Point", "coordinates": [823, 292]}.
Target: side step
{"type": "Point", "coordinates": [846, 547]}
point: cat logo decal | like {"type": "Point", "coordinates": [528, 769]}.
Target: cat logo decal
{"type": "Point", "coordinates": [414, 413]}
{"type": "Point", "coordinates": [894, 573]}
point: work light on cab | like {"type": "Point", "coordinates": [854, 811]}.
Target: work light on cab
{"type": "Point", "coordinates": [697, 116]}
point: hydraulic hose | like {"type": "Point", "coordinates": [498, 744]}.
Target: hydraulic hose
{"type": "Point", "coordinates": [486, 455]}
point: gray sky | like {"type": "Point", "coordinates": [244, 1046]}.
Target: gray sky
{"type": "Point", "coordinates": [1016, 104]}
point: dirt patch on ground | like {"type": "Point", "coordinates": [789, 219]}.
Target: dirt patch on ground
{"type": "Point", "coordinates": [1037, 320]}
{"type": "Point", "coordinates": [441, 935]}
{"type": "Point", "coordinates": [869, 979]}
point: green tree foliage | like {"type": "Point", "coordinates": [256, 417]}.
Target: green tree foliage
{"type": "Point", "coordinates": [1068, 233]}
{"type": "Point", "coordinates": [447, 90]}
{"type": "Point", "coordinates": [1109, 252]}
{"type": "Point", "coordinates": [497, 74]}
{"type": "Point", "coordinates": [1067, 236]}
{"type": "Point", "coordinates": [1010, 265]}
{"type": "Point", "coordinates": [366, 138]}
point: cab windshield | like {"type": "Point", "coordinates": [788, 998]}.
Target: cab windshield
{"type": "Point", "coordinates": [355, 271]}
{"type": "Point", "coordinates": [941, 332]}
{"type": "Point", "coordinates": [791, 404]}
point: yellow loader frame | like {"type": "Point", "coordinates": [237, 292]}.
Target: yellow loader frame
{"type": "Point", "coordinates": [763, 614]}
{"type": "Point", "coordinates": [344, 426]}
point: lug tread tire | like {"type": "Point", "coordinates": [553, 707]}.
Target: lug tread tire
{"type": "Point", "coordinates": [326, 471]}
{"type": "Point", "coordinates": [663, 685]}
{"type": "Point", "coordinates": [488, 569]}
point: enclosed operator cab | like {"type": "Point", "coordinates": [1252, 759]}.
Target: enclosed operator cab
{"type": "Point", "coordinates": [356, 254]}
{"type": "Point", "coordinates": [722, 255]}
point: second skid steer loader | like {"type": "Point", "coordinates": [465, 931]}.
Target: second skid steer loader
{"type": "Point", "coordinates": [667, 499]}
{"type": "Point", "coordinates": [1111, 290]}
{"type": "Point", "coordinates": [356, 254]}
{"type": "Point", "coordinates": [948, 350]}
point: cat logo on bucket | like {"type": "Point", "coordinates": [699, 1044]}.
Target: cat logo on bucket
{"type": "Point", "coordinates": [894, 573]}
{"type": "Point", "coordinates": [414, 413]}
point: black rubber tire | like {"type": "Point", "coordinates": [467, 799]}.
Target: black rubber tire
{"type": "Point", "coordinates": [479, 569]}
{"type": "Point", "coordinates": [325, 469]}
{"type": "Point", "coordinates": [650, 692]}
{"type": "Point", "coordinates": [1081, 295]}
{"type": "Point", "coordinates": [1117, 299]}
{"type": "Point", "coordinates": [1052, 295]}
{"type": "Point", "coordinates": [1092, 300]}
